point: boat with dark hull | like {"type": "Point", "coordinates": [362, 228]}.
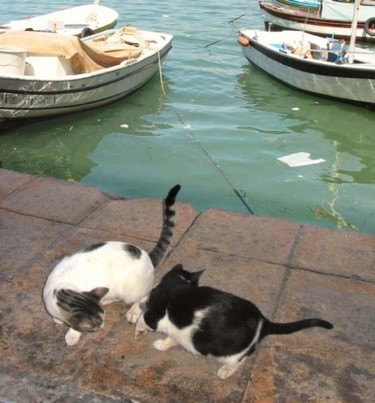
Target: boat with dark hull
{"type": "Point", "coordinates": [333, 18]}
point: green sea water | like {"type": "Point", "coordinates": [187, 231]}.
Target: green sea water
{"type": "Point", "coordinates": [218, 131]}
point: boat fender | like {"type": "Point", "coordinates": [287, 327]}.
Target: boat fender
{"type": "Point", "coordinates": [370, 26]}
{"type": "Point", "coordinates": [243, 41]}
{"type": "Point", "coordinates": [86, 32]}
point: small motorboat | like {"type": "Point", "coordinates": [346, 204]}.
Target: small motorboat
{"type": "Point", "coordinates": [321, 66]}
{"type": "Point", "coordinates": [332, 17]}
{"type": "Point", "coordinates": [82, 21]}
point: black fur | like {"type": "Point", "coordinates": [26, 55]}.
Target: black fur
{"type": "Point", "coordinates": [92, 247]}
{"type": "Point", "coordinates": [161, 295]}
{"type": "Point", "coordinates": [164, 240]}
{"type": "Point", "coordinates": [133, 251]}
{"type": "Point", "coordinates": [230, 323]}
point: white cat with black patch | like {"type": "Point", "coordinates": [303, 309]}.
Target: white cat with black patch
{"type": "Point", "coordinates": [102, 273]}
{"type": "Point", "coordinates": [208, 321]}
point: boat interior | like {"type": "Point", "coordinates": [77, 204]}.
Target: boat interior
{"type": "Point", "coordinates": [49, 55]}
{"type": "Point", "coordinates": [309, 46]}
{"type": "Point", "coordinates": [335, 51]}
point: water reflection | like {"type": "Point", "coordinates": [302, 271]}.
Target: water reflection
{"type": "Point", "coordinates": [340, 133]}
{"type": "Point", "coordinates": [60, 147]}
{"type": "Point", "coordinates": [348, 129]}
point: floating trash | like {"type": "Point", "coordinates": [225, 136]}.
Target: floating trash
{"type": "Point", "coordinates": [299, 159]}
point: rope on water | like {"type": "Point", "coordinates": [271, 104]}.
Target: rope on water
{"type": "Point", "coordinates": [203, 149]}
{"type": "Point", "coordinates": [219, 40]}
{"type": "Point", "coordinates": [242, 15]}
{"type": "Point", "coordinates": [231, 22]}
{"type": "Point", "coordinates": [161, 76]}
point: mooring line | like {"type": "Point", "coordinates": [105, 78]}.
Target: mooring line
{"type": "Point", "coordinates": [231, 22]}
{"type": "Point", "coordinates": [221, 39]}
{"type": "Point", "coordinates": [208, 155]}
{"type": "Point", "coordinates": [242, 15]}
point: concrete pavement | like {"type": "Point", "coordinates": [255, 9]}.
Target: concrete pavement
{"type": "Point", "coordinates": [289, 270]}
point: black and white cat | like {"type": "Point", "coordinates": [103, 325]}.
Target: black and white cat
{"type": "Point", "coordinates": [207, 321]}
{"type": "Point", "coordinates": [103, 273]}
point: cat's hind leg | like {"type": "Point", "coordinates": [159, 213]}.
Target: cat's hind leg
{"type": "Point", "coordinates": [134, 313]}
{"type": "Point", "coordinates": [227, 370]}
{"type": "Point", "coordinates": [231, 363]}
{"type": "Point", "coordinates": [164, 344]}
{"type": "Point", "coordinates": [72, 337]}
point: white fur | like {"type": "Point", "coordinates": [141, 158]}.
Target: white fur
{"type": "Point", "coordinates": [232, 362]}
{"type": "Point", "coordinates": [175, 335]}
{"type": "Point", "coordinates": [128, 279]}
{"type": "Point", "coordinates": [72, 337]}
{"type": "Point", "coordinates": [164, 344]}
{"type": "Point", "coordinates": [184, 336]}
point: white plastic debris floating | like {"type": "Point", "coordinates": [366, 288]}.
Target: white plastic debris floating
{"type": "Point", "coordinates": [300, 159]}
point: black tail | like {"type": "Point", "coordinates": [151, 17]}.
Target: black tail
{"type": "Point", "coordinates": [292, 327]}
{"type": "Point", "coordinates": [166, 234]}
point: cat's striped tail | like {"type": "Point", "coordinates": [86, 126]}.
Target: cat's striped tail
{"type": "Point", "coordinates": [166, 234]}
{"type": "Point", "coordinates": [291, 327]}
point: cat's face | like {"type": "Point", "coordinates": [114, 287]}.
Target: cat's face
{"type": "Point", "coordinates": [82, 310]}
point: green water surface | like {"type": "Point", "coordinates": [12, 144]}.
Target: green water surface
{"type": "Point", "coordinates": [218, 131]}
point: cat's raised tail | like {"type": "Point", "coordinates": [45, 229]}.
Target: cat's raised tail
{"type": "Point", "coordinates": [166, 233]}
{"type": "Point", "coordinates": [292, 327]}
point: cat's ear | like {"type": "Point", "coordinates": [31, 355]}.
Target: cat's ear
{"type": "Point", "coordinates": [99, 292]}
{"type": "Point", "coordinates": [178, 267]}
{"type": "Point", "coordinates": [194, 277]}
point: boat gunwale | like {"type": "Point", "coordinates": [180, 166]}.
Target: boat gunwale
{"type": "Point", "coordinates": [325, 68]}
{"type": "Point", "coordinates": [25, 92]}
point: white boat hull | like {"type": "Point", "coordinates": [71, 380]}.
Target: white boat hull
{"type": "Point", "coordinates": [353, 83]}
{"type": "Point", "coordinates": [24, 97]}
{"type": "Point", "coordinates": [71, 21]}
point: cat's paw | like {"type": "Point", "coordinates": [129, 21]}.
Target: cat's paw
{"type": "Point", "coordinates": [72, 337]}
{"type": "Point", "coordinates": [58, 321]}
{"type": "Point", "coordinates": [164, 344]}
{"type": "Point", "coordinates": [133, 313]}
{"type": "Point", "coordinates": [159, 345]}
{"type": "Point", "coordinates": [226, 371]}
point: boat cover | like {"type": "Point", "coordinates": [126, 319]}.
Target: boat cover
{"type": "Point", "coordinates": [338, 10]}
{"type": "Point", "coordinates": [85, 56]}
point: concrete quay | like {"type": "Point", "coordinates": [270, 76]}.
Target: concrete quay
{"type": "Point", "coordinates": [290, 271]}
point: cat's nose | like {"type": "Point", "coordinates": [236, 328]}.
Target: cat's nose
{"type": "Point", "coordinates": [139, 332]}
{"type": "Point", "coordinates": [140, 327]}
